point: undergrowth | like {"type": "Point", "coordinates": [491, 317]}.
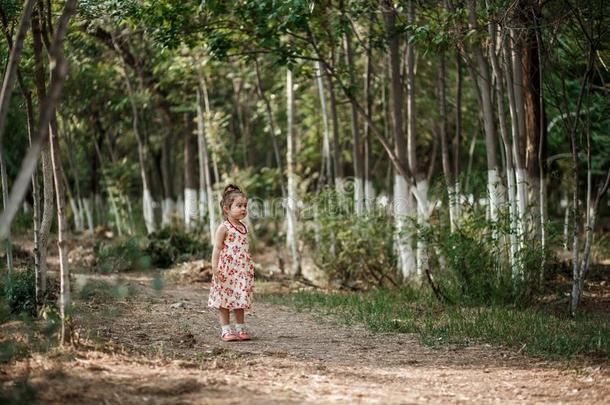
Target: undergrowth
{"type": "Point", "coordinates": [529, 330]}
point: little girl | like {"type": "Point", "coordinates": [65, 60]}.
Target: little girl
{"type": "Point", "coordinates": [232, 268]}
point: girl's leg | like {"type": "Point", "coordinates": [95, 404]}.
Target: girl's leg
{"type": "Point", "coordinates": [240, 328]}
{"type": "Point", "coordinates": [223, 316]}
{"type": "Point", "coordinates": [239, 316]}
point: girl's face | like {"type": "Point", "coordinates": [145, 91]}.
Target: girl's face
{"type": "Point", "coordinates": [239, 208]}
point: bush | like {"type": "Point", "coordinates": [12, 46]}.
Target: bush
{"type": "Point", "coordinates": [20, 291]}
{"type": "Point", "coordinates": [122, 255]}
{"type": "Point", "coordinates": [170, 245]}
{"type": "Point", "coordinates": [354, 250]}
{"type": "Point", "coordinates": [477, 268]}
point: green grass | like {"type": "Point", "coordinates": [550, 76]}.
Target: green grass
{"type": "Point", "coordinates": [530, 330]}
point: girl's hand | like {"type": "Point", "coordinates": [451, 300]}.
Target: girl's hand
{"type": "Point", "coordinates": [217, 275]}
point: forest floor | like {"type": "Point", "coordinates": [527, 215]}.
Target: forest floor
{"type": "Point", "coordinates": [161, 346]}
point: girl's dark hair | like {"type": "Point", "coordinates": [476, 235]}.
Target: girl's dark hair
{"type": "Point", "coordinates": [228, 196]}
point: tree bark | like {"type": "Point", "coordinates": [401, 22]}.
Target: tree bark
{"type": "Point", "coordinates": [273, 129]}
{"type": "Point", "coordinates": [291, 203]}
{"type": "Point", "coordinates": [190, 176]}
{"type": "Point", "coordinates": [326, 172]}
{"type": "Point", "coordinates": [204, 165]}
{"type": "Point", "coordinates": [483, 81]}
{"type": "Point", "coordinates": [508, 148]}
{"type": "Point", "coordinates": [62, 226]}
{"type": "Point", "coordinates": [356, 139]}
{"type": "Point", "coordinates": [337, 161]}
{"type": "Point", "coordinates": [402, 197]}
{"type": "Point", "coordinates": [47, 171]}
{"type": "Point", "coordinates": [446, 159]}
{"type": "Point", "coordinates": [420, 176]}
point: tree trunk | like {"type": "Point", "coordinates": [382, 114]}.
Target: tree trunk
{"type": "Point", "coordinates": [273, 128]}
{"type": "Point", "coordinates": [8, 242]}
{"type": "Point", "coordinates": [520, 173]}
{"type": "Point", "coordinates": [483, 82]}
{"type": "Point", "coordinates": [577, 270]}
{"type": "Point", "coordinates": [47, 170]}
{"type": "Point", "coordinates": [147, 201]}
{"type": "Point", "coordinates": [508, 147]}
{"type": "Point", "coordinates": [190, 176]}
{"type": "Point", "coordinates": [446, 160]}
{"type": "Point", "coordinates": [402, 197]}
{"type": "Point", "coordinates": [420, 176]}
{"type": "Point", "coordinates": [77, 204]}
{"type": "Point", "coordinates": [62, 226]}
{"type": "Point", "coordinates": [356, 141]}
{"type": "Point", "coordinates": [337, 161]}
{"type": "Point", "coordinates": [166, 176]}
{"type": "Point", "coordinates": [326, 159]}
{"type": "Point", "coordinates": [204, 161]}
{"type": "Point", "coordinates": [291, 203]}
{"type": "Point", "coordinates": [369, 190]}
{"type": "Point", "coordinates": [458, 134]}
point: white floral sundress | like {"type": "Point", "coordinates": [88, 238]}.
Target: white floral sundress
{"type": "Point", "coordinates": [233, 287]}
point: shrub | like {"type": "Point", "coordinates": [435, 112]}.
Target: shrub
{"type": "Point", "coordinates": [477, 267]}
{"type": "Point", "coordinates": [355, 250]}
{"type": "Point", "coordinates": [122, 255]}
{"type": "Point", "coordinates": [20, 291]}
{"type": "Point", "coordinates": [169, 245]}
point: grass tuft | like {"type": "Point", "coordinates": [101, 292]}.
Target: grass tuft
{"type": "Point", "coordinates": [407, 311]}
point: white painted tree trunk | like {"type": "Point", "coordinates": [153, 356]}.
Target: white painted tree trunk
{"type": "Point", "coordinates": [179, 208]}
{"type": "Point", "coordinates": [402, 210]}
{"type": "Point", "coordinates": [369, 195]}
{"type": "Point", "coordinates": [191, 207]}
{"type": "Point", "coordinates": [451, 190]}
{"type": "Point", "coordinates": [88, 214]}
{"type": "Point", "coordinates": [62, 227]}
{"type": "Point", "coordinates": [522, 187]}
{"type": "Point", "coordinates": [327, 172]}
{"type": "Point", "coordinates": [508, 148]}
{"type": "Point", "coordinates": [359, 196]}
{"type": "Point", "coordinates": [203, 198]}
{"type": "Point", "coordinates": [422, 222]}
{"type": "Point", "coordinates": [566, 227]}
{"type": "Point", "coordinates": [291, 203]}
{"type": "Point", "coordinates": [167, 211]}
{"type": "Point", "coordinates": [494, 194]}
{"type": "Point", "coordinates": [78, 225]}
{"type": "Point", "coordinates": [205, 192]}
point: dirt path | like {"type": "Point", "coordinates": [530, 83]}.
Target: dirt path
{"type": "Point", "coordinates": [165, 349]}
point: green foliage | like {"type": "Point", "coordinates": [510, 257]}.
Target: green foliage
{"type": "Point", "coordinates": [122, 255]}
{"type": "Point", "coordinates": [170, 245]}
{"type": "Point", "coordinates": [477, 264]}
{"type": "Point", "coordinates": [20, 291]}
{"type": "Point", "coordinates": [160, 249]}
{"type": "Point", "coordinates": [350, 249]}
{"type": "Point", "coordinates": [410, 311]}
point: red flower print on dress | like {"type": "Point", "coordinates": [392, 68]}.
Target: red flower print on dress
{"type": "Point", "coordinates": [234, 289]}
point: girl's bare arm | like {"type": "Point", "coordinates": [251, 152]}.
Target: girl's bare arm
{"type": "Point", "coordinates": [219, 240]}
